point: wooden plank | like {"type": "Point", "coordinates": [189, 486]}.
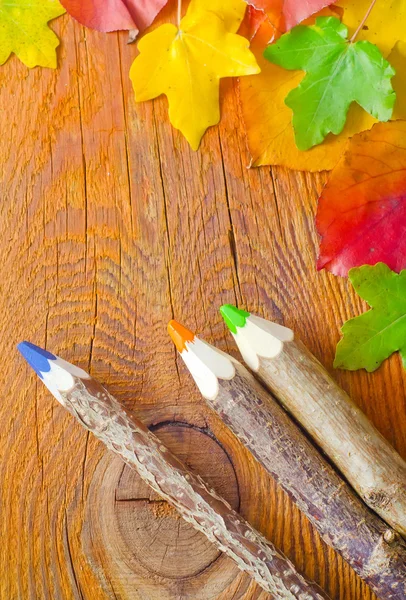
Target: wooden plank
{"type": "Point", "coordinates": [110, 225]}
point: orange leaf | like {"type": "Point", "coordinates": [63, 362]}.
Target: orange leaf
{"type": "Point", "coordinates": [285, 14]}
{"type": "Point", "coordinates": [362, 211]}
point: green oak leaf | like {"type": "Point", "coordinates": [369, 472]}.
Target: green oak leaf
{"type": "Point", "coordinates": [338, 72]}
{"type": "Point", "coordinates": [373, 336]}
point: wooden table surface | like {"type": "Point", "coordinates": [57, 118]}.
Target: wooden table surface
{"type": "Point", "coordinates": [110, 226]}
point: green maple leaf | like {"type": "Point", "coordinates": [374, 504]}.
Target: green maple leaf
{"type": "Point", "coordinates": [338, 72]}
{"type": "Point", "coordinates": [373, 336]}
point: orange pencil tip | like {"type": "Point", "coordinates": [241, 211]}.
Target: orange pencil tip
{"type": "Point", "coordinates": [180, 335]}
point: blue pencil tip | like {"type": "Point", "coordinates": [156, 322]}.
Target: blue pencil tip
{"type": "Point", "coordinates": [36, 357]}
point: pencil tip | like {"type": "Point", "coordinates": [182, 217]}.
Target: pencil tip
{"type": "Point", "coordinates": [234, 317]}
{"type": "Point", "coordinates": [36, 357]}
{"type": "Point", "coordinates": [180, 335]}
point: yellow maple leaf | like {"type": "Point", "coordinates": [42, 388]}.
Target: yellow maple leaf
{"type": "Point", "coordinates": [24, 31]}
{"type": "Point", "coordinates": [186, 64]}
{"type": "Point", "coordinates": [397, 59]}
{"type": "Point", "coordinates": [385, 24]}
{"type": "Point", "coordinates": [268, 120]}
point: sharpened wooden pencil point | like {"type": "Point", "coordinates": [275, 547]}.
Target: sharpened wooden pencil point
{"type": "Point", "coordinates": [179, 334]}
{"type": "Point", "coordinates": [233, 316]}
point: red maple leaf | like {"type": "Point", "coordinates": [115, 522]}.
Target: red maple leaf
{"type": "Point", "coordinates": [113, 15]}
{"type": "Point", "coordinates": [285, 14]}
{"type": "Point", "coordinates": [361, 215]}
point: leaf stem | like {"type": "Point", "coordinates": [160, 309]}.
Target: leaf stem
{"type": "Point", "coordinates": [361, 25]}
{"type": "Point", "coordinates": [179, 12]}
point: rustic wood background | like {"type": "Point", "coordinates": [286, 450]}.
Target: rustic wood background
{"type": "Point", "coordinates": [110, 226]}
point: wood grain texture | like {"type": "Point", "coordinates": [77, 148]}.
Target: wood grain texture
{"type": "Point", "coordinates": [109, 227]}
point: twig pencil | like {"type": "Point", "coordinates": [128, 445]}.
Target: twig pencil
{"type": "Point", "coordinates": [374, 550]}
{"type": "Point", "coordinates": [333, 420]}
{"type": "Point", "coordinates": [101, 414]}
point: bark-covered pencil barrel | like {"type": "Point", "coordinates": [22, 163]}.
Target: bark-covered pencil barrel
{"type": "Point", "coordinates": [372, 548]}
{"type": "Point", "coordinates": [304, 387]}
{"type": "Point", "coordinates": [100, 413]}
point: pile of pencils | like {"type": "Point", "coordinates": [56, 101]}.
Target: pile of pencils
{"type": "Point", "coordinates": [357, 501]}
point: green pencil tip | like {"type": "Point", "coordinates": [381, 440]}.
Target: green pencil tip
{"type": "Point", "coordinates": [233, 316]}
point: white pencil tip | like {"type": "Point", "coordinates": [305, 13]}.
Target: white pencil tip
{"type": "Point", "coordinates": [260, 338]}
{"type": "Point", "coordinates": [207, 365]}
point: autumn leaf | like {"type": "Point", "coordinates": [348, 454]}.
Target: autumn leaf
{"type": "Point", "coordinates": [268, 123]}
{"type": "Point", "coordinates": [113, 15]}
{"type": "Point", "coordinates": [270, 134]}
{"type": "Point", "coordinates": [338, 72]}
{"type": "Point", "coordinates": [186, 64]}
{"type": "Point", "coordinates": [373, 336]}
{"type": "Point", "coordinates": [285, 14]}
{"type": "Point", "coordinates": [385, 24]}
{"type": "Point", "coordinates": [24, 31]}
{"type": "Point", "coordinates": [397, 59]}
{"type": "Point", "coordinates": [361, 216]}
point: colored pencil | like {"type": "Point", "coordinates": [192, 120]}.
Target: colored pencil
{"type": "Point", "coordinates": [302, 385]}
{"type": "Point", "coordinates": [374, 550]}
{"type": "Point", "coordinates": [95, 409]}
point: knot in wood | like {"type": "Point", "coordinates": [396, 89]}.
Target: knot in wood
{"type": "Point", "coordinates": [390, 536]}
